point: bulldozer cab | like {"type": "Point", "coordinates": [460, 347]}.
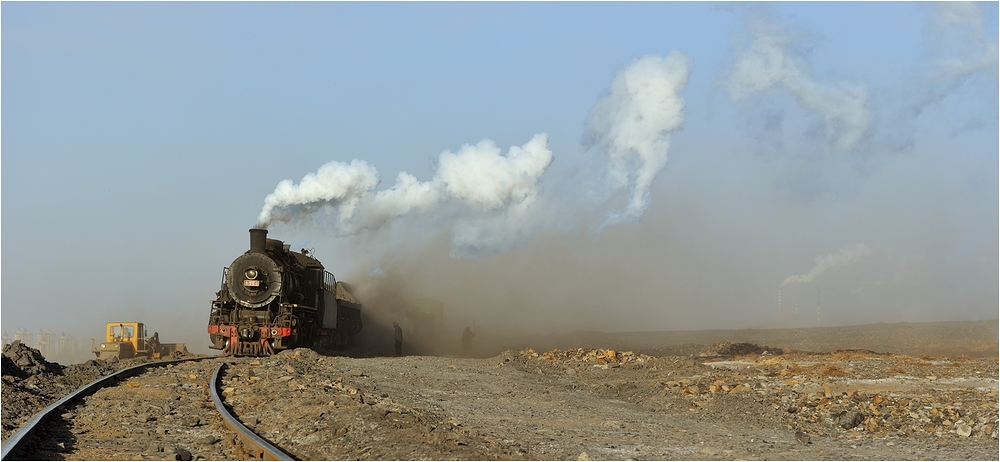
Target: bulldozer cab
{"type": "Point", "coordinates": [123, 340]}
{"type": "Point", "coordinates": [128, 332]}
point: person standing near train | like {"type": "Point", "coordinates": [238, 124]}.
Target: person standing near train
{"type": "Point", "coordinates": [398, 332]}
{"type": "Point", "coordinates": [467, 337]}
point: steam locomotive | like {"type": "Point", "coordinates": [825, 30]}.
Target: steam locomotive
{"type": "Point", "coordinates": [273, 299]}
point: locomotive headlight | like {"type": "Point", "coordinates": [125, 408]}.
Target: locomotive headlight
{"type": "Point", "coordinates": [251, 273]}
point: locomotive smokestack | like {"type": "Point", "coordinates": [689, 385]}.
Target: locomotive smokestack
{"type": "Point", "coordinates": [258, 240]}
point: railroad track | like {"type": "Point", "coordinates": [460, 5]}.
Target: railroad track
{"type": "Point", "coordinates": [133, 419]}
{"type": "Point", "coordinates": [261, 448]}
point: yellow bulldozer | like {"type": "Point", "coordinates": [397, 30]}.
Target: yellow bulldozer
{"type": "Point", "coordinates": [126, 340]}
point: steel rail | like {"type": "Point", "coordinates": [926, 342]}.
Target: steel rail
{"type": "Point", "coordinates": [19, 440]}
{"type": "Point", "coordinates": [261, 448]}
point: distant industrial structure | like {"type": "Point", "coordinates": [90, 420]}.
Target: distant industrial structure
{"type": "Point", "coordinates": [63, 350]}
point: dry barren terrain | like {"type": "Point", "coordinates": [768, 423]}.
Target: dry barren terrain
{"type": "Point", "coordinates": [884, 391]}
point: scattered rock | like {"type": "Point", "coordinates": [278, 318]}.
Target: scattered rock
{"type": "Point", "coordinates": [209, 439]}
{"type": "Point", "coordinates": [182, 454]}
{"type": "Point", "coordinates": [850, 419]}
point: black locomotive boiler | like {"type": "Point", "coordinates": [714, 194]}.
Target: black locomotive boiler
{"type": "Point", "coordinates": [274, 299]}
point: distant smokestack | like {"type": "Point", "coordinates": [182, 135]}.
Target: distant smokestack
{"type": "Point", "coordinates": [818, 299]}
{"type": "Point", "coordinates": [258, 240]}
{"type": "Point", "coordinates": [779, 308]}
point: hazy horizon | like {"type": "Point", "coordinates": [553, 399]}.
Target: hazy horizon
{"type": "Point", "coordinates": [536, 167]}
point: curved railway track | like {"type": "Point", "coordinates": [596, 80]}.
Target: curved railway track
{"type": "Point", "coordinates": [175, 399]}
{"type": "Point", "coordinates": [261, 448]}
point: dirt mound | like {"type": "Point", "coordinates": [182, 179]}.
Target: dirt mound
{"type": "Point", "coordinates": [26, 361]}
{"type": "Point", "coordinates": [724, 348]}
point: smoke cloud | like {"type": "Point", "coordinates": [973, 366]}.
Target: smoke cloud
{"type": "Point", "coordinates": [846, 256]}
{"type": "Point", "coordinates": [484, 185]}
{"type": "Point", "coordinates": [768, 62]}
{"type": "Point", "coordinates": [959, 50]}
{"type": "Point", "coordinates": [636, 117]}
{"type": "Point", "coordinates": [493, 200]}
{"type": "Point", "coordinates": [959, 27]}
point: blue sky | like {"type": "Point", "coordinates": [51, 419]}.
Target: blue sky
{"type": "Point", "coordinates": [858, 143]}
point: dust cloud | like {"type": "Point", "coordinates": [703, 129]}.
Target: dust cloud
{"type": "Point", "coordinates": [689, 265]}
{"type": "Point", "coordinates": [773, 227]}
{"type": "Point", "coordinates": [483, 237]}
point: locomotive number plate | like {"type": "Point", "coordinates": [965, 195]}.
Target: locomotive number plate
{"type": "Point", "coordinates": [251, 283]}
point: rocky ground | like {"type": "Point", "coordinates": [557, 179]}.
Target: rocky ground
{"type": "Point", "coordinates": [165, 413]}
{"type": "Point", "coordinates": [30, 382]}
{"type": "Point", "coordinates": [699, 399]}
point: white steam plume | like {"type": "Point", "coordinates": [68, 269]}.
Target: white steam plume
{"type": "Point", "coordinates": [490, 199]}
{"type": "Point", "coordinates": [846, 256]}
{"type": "Point", "coordinates": [768, 63]}
{"type": "Point", "coordinates": [335, 182]}
{"type": "Point", "coordinates": [961, 27]}
{"type": "Point", "coordinates": [479, 180]}
{"type": "Point", "coordinates": [960, 48]}
{"type": "Point", "coordinates": [637, 116]}
{"type": "Point", "coordinates": [960, 51]}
